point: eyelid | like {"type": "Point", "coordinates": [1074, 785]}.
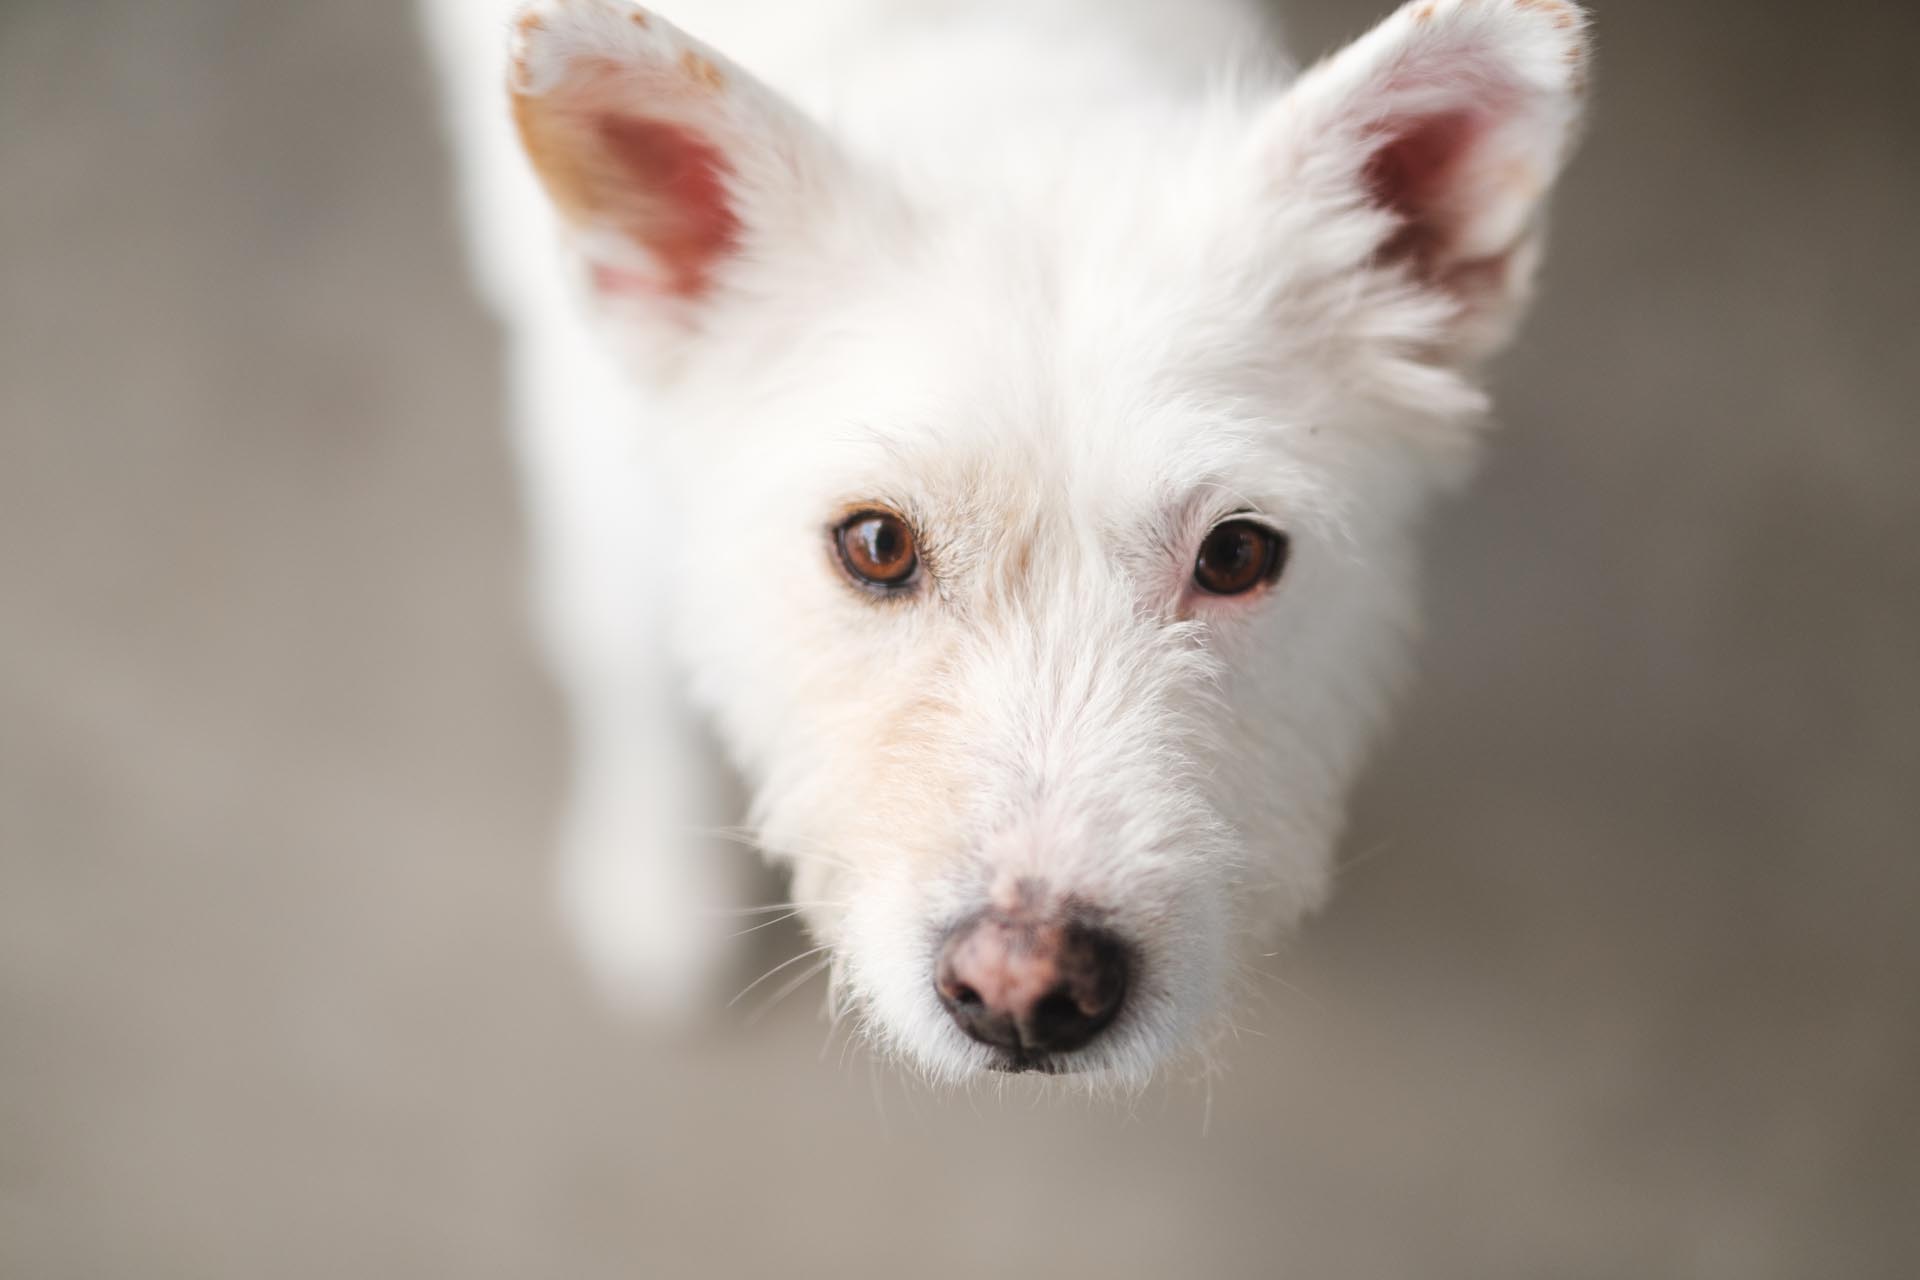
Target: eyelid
{"type": "Point", "coordinates": [1248, 514]}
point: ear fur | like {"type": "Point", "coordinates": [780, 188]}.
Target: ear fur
{"type": "Point", "coordinates": [665, 160]}
{"type": "Point", "coordinates": [1446, 126]}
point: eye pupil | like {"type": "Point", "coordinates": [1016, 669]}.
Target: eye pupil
{"type": "Point", "coordinates": [876, 547]}
{"type": "Point", "coordinates": [1238, 556]}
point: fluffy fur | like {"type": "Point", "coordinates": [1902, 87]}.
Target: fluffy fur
{"type": "Point", "coordinates": [1064, 282]}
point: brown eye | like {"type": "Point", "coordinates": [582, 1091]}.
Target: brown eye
{"type": "Point", "coordinates": [877, 548]}
{"type": "Point", "coordinates": [1238, 556]}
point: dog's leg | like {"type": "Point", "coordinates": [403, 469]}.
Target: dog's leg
{"type": "Point", "coordinates": [643, 887]}
{"type": "Point", "coordinates": [644, 890]}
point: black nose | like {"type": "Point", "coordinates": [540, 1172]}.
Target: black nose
{"type": "Point", "coordinates": [1031, 986]}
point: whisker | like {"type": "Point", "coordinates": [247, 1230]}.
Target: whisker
{"type": "Point", "coordinates": [731, 836]}
{"type": "Point", "coordinates": [751, 837]}
{"type": "Point", "coordinates": [1312, 1000]}
{"type": "Point", "coordinates": [1364, 856]}
{"type": "Point", "coordinates": [764, 924]}
{"type": "Point", "coordinates": [784, 853]}
{"type": "Point", "coordinates": [811, 951]}
{"type": "Point", "coordinates": [836, 1015]}
{"type": "Point", "coordinates": [765, 908]}
{"type": "Point", "coordinates": [807, 975]}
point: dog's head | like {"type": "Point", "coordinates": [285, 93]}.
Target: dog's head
{"type": "Point", "coordinates": [1048, 556]}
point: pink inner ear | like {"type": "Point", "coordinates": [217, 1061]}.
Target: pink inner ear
{"type": "Point", "coordinates": [1415, 174]}
{"type": "Point", "coordinates": [681, 211]}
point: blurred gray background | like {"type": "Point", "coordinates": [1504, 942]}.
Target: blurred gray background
{"type": "Point", "coordinates": [1622, 978]}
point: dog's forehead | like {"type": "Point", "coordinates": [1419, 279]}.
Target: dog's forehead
{"type": "Point", "coordinates": [1008, 373]}
{"type": "Point", "coordinates": [1010, 443]}
{"type": "Point", "coordinates": [1012, 394]}
{"type": "Point", "coordinates": [1013, 359]}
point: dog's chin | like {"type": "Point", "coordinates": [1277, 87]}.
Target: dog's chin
{"type": "Point", "coordinates": [1042, 1064]}
{"type": "Point", "coordinates": [1122, 1066]}
{"type": "Point", "coordinates": [1106, 1071]}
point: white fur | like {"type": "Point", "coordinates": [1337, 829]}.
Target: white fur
{"type": "Point", "coordinates": [1066, 282]}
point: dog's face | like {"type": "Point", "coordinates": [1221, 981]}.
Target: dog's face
{"type": "Point", "coordinates": [1053, 551]}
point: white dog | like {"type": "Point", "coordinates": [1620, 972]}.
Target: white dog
{"type": "Point", "coordinates": [1010, 423]}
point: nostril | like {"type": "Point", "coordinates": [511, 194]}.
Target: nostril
{"type": "Point", "coordinates": [1094, 967]}
{"type": "Point", "coordinates": [1058, 1007]}
{"type": "Point", "coordinates": [1032, 986]}
{"type": "Point", "coordinates": [1054, 1018]}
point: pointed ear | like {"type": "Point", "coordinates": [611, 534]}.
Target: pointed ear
{"type": "Point", "coordinates": [665, 161]}
{"type": "Point", "coordinates": [1448, 123]}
